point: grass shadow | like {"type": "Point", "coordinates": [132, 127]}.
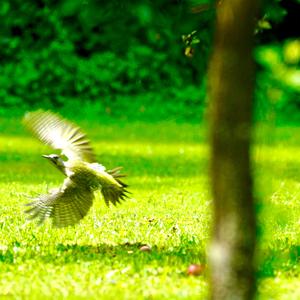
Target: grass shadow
{"type": "Point", "coordinates": [275, 260]}
{"type": "Point", "coordinates": [127, 253]}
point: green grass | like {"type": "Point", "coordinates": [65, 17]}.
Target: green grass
{"type": "Point", "coordinates": [170, 210]}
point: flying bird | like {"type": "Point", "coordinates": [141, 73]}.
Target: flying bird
{"type": "Point", "coordinates": [69, 203]}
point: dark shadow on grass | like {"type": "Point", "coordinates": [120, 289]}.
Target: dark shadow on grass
{"type": "Point", "coordinates": [128, 251]}
{"type": "Point", "coordinates": [274, 260]}
{"type": "Point", "coordinates": [130, 254]}
{"type": "Point", "coordinates": [282, 170]}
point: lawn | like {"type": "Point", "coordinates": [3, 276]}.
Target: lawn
{"type": "Point", "coordinates": [169, 210]}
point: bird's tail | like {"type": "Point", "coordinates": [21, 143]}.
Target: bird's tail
{"type": "Point", "coordinates": [114, 193]}
{"type": "Point", "coordinates": [116, 174]}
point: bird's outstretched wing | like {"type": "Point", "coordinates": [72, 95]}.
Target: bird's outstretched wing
{"type": "Point", "coordinates": [65, 206]}
{"type": "Point", "coordinates": [61, 134]}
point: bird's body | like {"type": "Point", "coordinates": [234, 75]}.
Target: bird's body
{"type": "Point", "coordinates": [88, 174]}
{"type": "Point", "coordinates": [68, 204]}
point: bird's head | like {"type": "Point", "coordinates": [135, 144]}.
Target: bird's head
{"type": "Point", "coordinates": [57, 161]}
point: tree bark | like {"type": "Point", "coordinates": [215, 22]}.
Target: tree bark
{"type": "Point", "coordinates": [231, 81]}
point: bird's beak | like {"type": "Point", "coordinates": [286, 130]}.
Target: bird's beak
{"type": "Point", "coordinates": [49, 158]}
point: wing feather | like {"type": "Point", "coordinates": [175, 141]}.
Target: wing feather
{"type": "Point", "coordinates": [53, 130]}
{"type": "Point", "coordinates": [65, 206]}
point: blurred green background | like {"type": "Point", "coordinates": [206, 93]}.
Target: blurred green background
{"type": "Point", "coordinates": [126, 60]}
{"type": "Point", "coordinates": [124, 73]}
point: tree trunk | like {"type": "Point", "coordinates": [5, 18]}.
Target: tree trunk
{"type": "Point", "coordinates": [231, 80]}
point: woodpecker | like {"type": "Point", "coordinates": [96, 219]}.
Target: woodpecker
{"type": "Point", "coordinates": [69, 203]}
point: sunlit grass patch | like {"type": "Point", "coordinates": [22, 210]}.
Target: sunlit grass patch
{"type": "Point", "coordinates": [169, 210]}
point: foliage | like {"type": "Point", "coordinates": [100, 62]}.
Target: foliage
{"type": "Point", "coordinates": [170, 210]}
{"type": "Point", "coordinates": [278, 83]}
{"type": "Point", "coordinates": [123, 60]}
{"type": "Point", "coordinates": [54, 52]}
{"type": "Point", "coordinates": [273, 11]}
